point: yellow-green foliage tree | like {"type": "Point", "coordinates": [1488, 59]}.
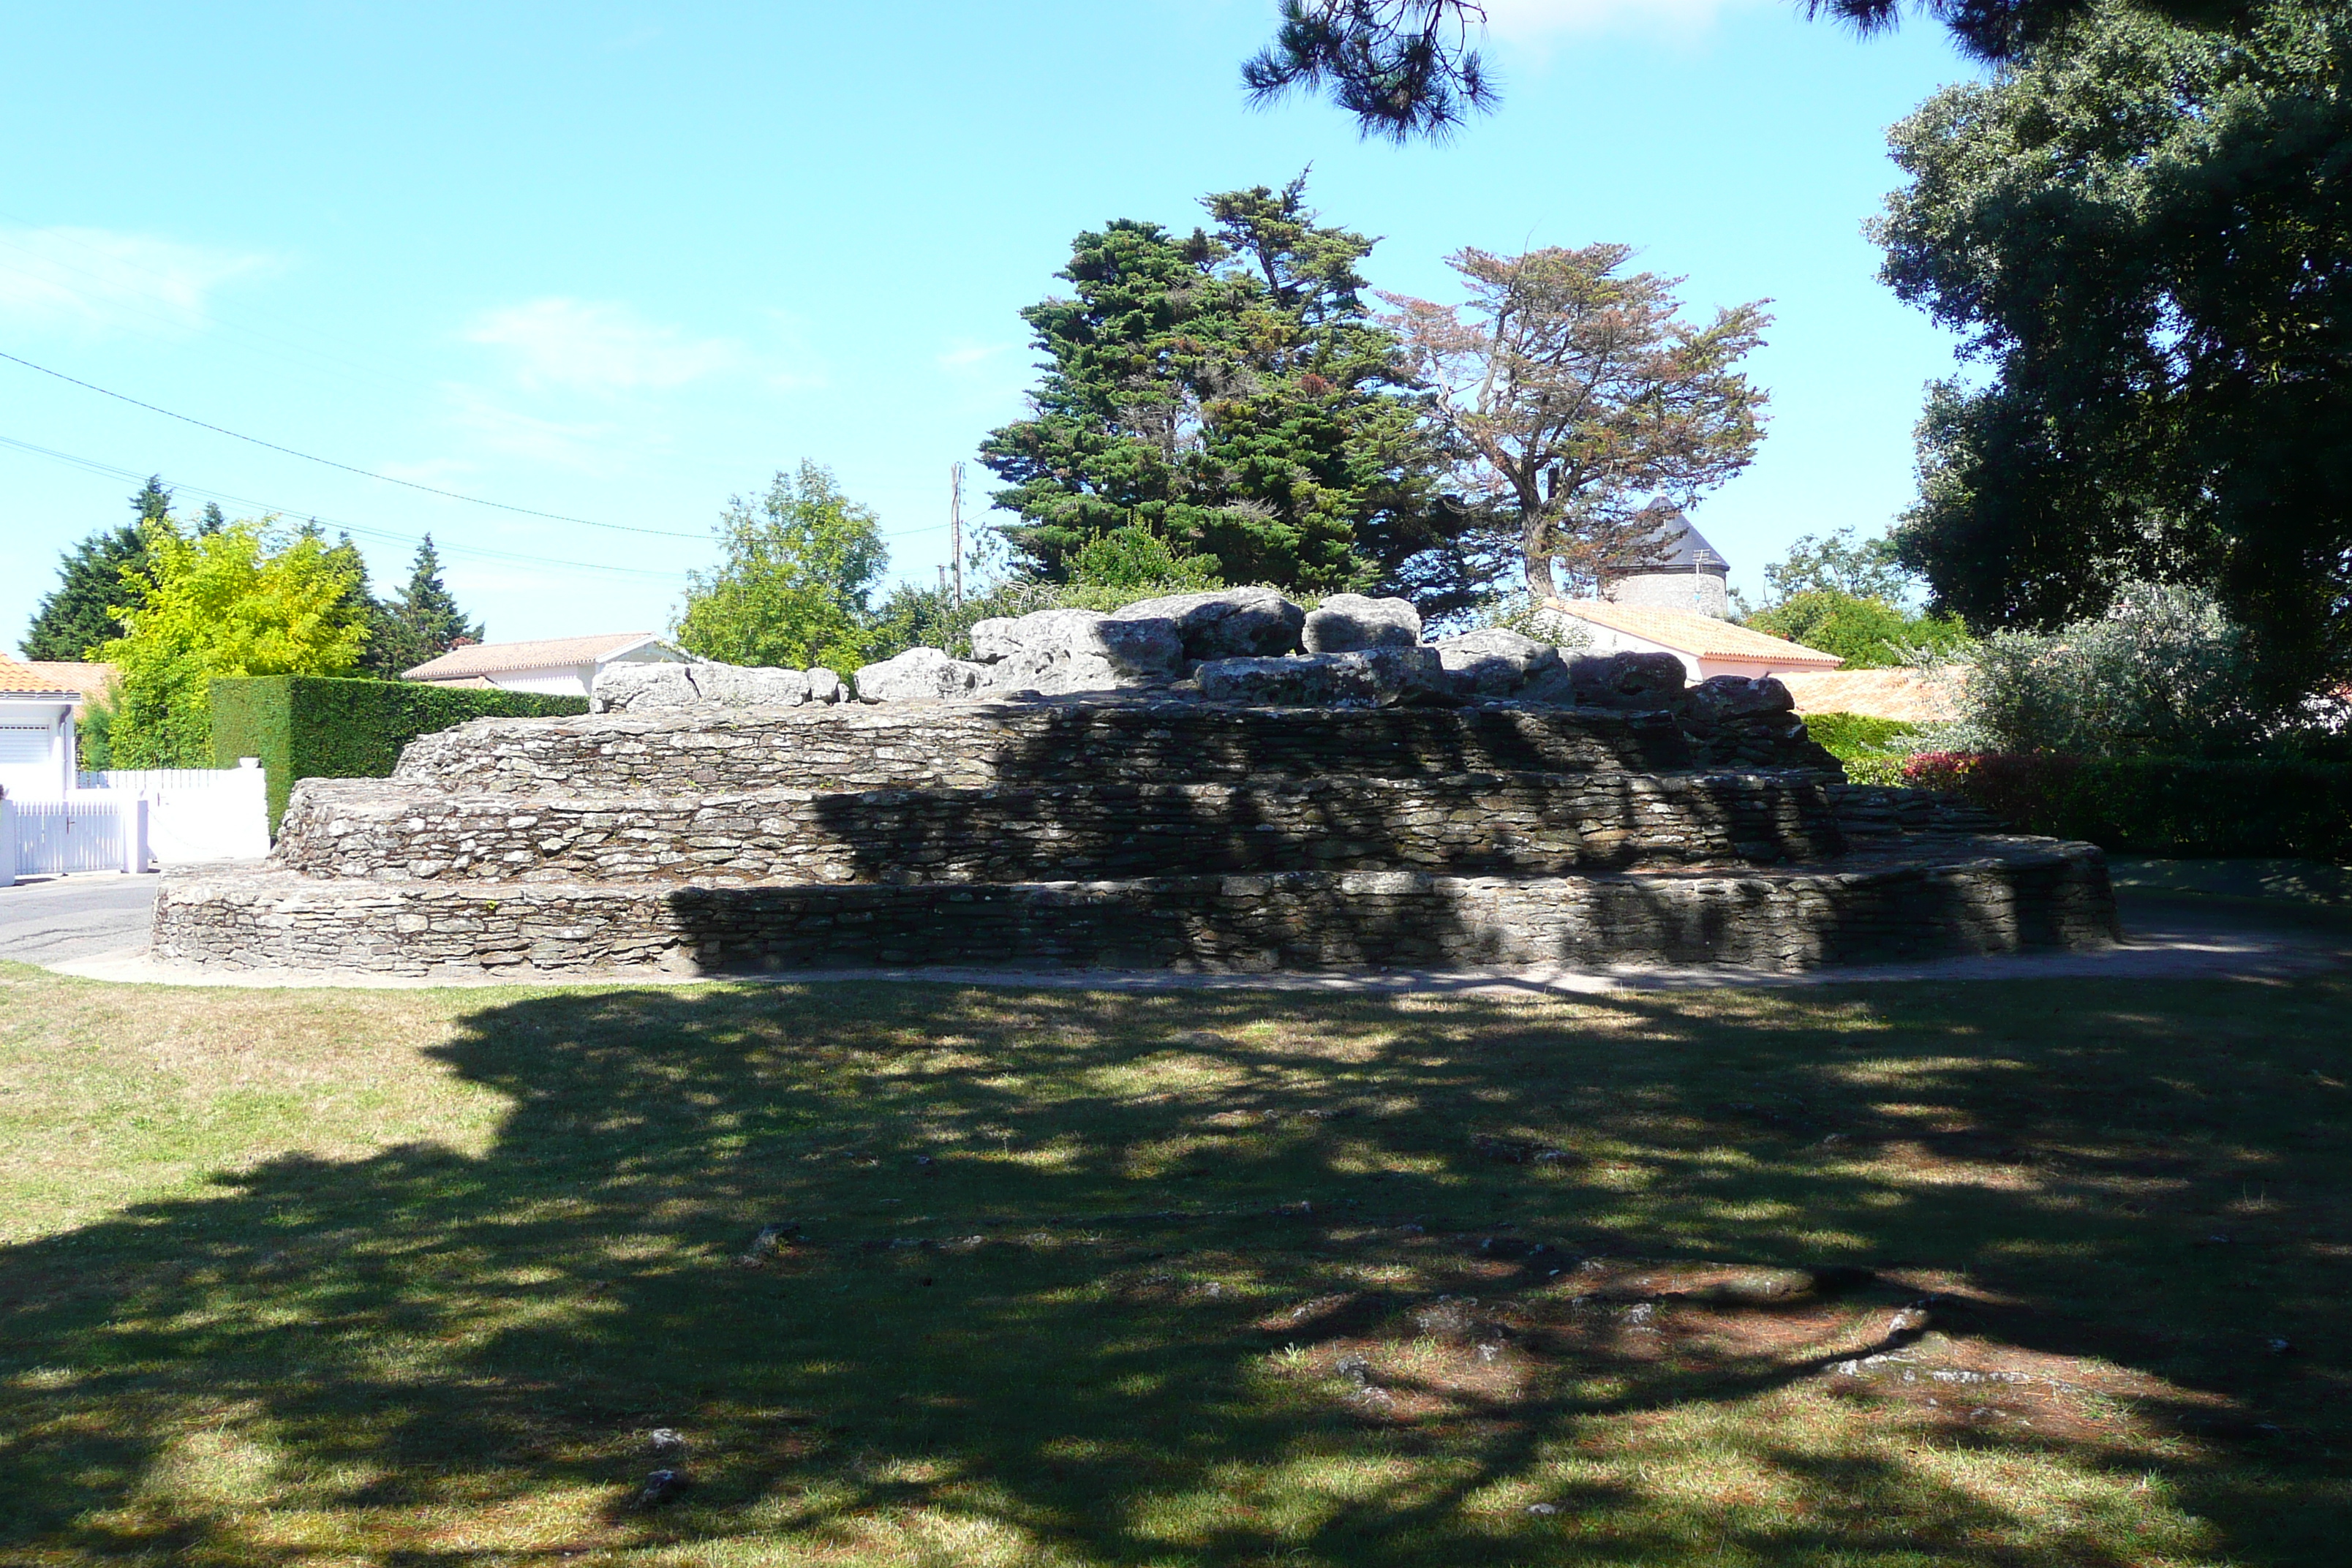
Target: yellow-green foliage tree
{"type": "Point", "coordinates": [794, 585]}
{"type": "Point", "coordinates": [249, 599]}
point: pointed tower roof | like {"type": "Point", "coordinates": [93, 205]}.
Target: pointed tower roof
{"type": "Point", "coordinates": [1673, 546]}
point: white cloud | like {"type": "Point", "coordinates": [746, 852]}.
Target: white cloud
{"type": "Point", "coordinates": [963, 353]}
{"type": "Point", "coordinates": [588, 346]}
{"type": "Point", "coordinates": [595, 449]}
{"type": "Point", "coordinates": [1525, 20]}
{"type": "Point", "coordinates": [95, 280]}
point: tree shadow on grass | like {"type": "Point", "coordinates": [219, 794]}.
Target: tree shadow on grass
{"type": "Point", "coordinates": [1181, 1278]}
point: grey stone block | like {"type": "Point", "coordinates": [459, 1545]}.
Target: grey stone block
{"type": "Point", "coordinates": [1226, 623]}
{"type": "Point", "coordinates": [917, 674]}
{"type": "Point", "coordinates": [636, 687]}
{"type": "Point", "coordinates": [1349, 622]}
{"type": "Point", "coordinates": [742, 686]}
{"type": "Point", "coordinates": [1374, 677]}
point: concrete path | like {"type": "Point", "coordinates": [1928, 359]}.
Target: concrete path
{"type": "Point", "coordinates": [49, 919]}
{"type": "Point", "coordinates": [2165, 940]}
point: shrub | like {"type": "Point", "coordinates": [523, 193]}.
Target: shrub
{"type": "Point", "coordinates": [1852, 737]}
{"type": "Point", "coordinates": [309, 727]}
{"type": "Point", "coordinates": [2162, 673]}
{"type": "Point", "coordinates": [2158, 806]}
{"type": "Point", "coordinates": [1135, 557]}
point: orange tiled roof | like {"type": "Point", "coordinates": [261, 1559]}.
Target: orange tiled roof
{"type": "Point", "coordinates": [491, 657]}
{"type": "Point", "coordinates": [1906, 694]}
{"type": "Point", "coordinates": [1702, 636]}
{"type": "Point", "coordinates": [23, 680]}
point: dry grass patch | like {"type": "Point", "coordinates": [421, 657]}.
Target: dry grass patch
{"type": "Point", "coordinates": [2043, 1273]}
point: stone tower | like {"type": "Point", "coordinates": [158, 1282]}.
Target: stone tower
{"type": "Point", "coordinates": [1675, 569]}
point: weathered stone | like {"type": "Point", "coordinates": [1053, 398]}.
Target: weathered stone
{"type": "Point", "coordinates": [1627, 680]}
{"type": "Point", "coordinates": [1738, 696]}
{"type": "Point", "coordinates": [1374, 677]}
{"type": "Point", "coordinates": [825, 685]}
{"type": "Point", "coordinates": [1527, 823]}
{"type": "Point", "coordinates": [1226, 623]}
{"type": "Point", "coordinates": [634, 688]}
{"type": "Point", "coordinates": [741, 685]}
{"type": "Point", "coordinates": [1349, 622]}
{"type": "Point", "coordinates": [1499, 663]}
{"type": "Point", "coordinates": [1137, 739]}
{"type": "Point", "coordinates": [917, 674]}
{"type": "Point", "coordinates": [1966, 897]}
{"type": "Point", "coordinates": [1058, 652]}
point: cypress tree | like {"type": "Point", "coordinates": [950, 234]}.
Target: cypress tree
{"type": "Point", "coordinates": [73, 619]}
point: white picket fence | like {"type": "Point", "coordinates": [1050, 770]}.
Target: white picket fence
{"type": "Point", "coordinates": [133, 821]}
{"type": "Point", "coordinates": [80, 833]}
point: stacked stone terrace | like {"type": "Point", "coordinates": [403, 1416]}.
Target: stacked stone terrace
{"type": "Point", "coordinates": [1483, 802]}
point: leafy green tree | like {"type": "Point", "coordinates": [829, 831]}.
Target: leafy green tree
{"type": "Point", "coordinates": [1839, 563]}
{"type": "Point", "coordinates": [1866, 631]}
{"type": "Point", "coordinates": [794, 585]}
{"type": "Point", "coordinates": [245, 600]}
{"type": "Point", "coordinates": [2143, 227]}
{"type": "Point", "coordinates": [420, 623]}
{"type": "Point", "coordinates": [74, 618]}
{"type": "Point", "coordinates": [1576, 401]}
{"type": "Point", "coordinates": [1229, 391]}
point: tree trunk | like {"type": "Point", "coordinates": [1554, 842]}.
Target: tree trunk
{"type": "Point", "coordinates": [1537, 560]}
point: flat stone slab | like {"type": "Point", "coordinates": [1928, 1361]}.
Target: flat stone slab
{"type": "Point", "coordinates": [1989, 895]}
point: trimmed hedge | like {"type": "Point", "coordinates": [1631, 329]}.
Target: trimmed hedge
{"type": "Point", "coordinates": [2155, 805]}
{"type": "Point", "coordinates": [323, 727]}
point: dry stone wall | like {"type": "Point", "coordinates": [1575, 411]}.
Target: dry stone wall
{"type": "Point", "coordinates": [967, 745]}
{"type": "Point", "coordinates": [1131, 831]}
{"type": "Point", "coordinates": [1530, 824]}
{"type": "Point", "coordinates": [1996, 896]}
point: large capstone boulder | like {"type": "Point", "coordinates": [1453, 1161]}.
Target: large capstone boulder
{"type": "Point", "coordinates": [1627, 680]}
{"type": "Point", "coordinates": [1739, 697]}
{"type": "Point", "coordinates": [825, 685]}
{"type": "Point", "coordinates": [1226, 623]}
{"type": "Point", "coordinates": [749, 686]}
{"type": "Point", "coordinates": [634, 688]}
{"type": "Point", "coordinates": [917, 674]}
{"type": "Point", "coordinates": [1372, 678]}
{"type": "Point", "coordinates": [1349, 622]}
{"type": "Point", "coordinates": [1498, 663]}
{"type": "Point", "coordinates": [1057, 651]}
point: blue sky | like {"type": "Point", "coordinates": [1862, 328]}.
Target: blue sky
{"type": "Point", "coordinates": [618, 262]}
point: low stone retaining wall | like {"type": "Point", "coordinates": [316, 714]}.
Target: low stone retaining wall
{"type": "Point", "coordinates": [967, 745]}
{"type": "Point", "coordinates": [1972, 896]}
{"type": "Point", "coordinates": [1515, 823]}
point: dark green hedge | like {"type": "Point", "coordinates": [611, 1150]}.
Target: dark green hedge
{"type": "Point", "coordinates": [2153, 805]}
{"type": "Point", "coordinates": [318, 727]}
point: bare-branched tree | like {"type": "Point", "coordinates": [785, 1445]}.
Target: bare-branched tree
{"type": "Point", "coordinates": [1580, 404]}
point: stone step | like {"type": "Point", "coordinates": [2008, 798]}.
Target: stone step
{"type": "Point", "coordinates": [1962, 896]}
{"type": "Point", "coordinates": [1097, 739]}
{"type": "Point", "coordinates": [1514, 823]}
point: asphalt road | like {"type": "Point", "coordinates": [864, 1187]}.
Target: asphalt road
{"type": "Point", "coordinates": [75, 916]}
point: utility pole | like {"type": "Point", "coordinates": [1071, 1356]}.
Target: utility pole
{"type": "Point", "coordinates": [955, 530]}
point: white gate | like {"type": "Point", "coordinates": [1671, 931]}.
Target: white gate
{"type": "Point", "coordinates": [197, 814]}
{"type": "Point", "coordinates": [85, 833]}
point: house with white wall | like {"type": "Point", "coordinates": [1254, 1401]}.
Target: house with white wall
{"type": "Point", "coordinates": [563, 667]}
{"type": "Point", "coordinates": [37, 733]}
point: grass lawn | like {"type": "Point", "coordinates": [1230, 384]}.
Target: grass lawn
{"type": "Point", "coordinates": [929, 1274]}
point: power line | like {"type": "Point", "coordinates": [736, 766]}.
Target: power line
{"type": "Point", "coordinates": [329, 462]}
{"type": "Point", "coordinates": [93, 466]}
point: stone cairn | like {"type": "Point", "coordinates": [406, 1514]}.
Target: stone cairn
{"type": "Point", "coordinates": [1211, 780]}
